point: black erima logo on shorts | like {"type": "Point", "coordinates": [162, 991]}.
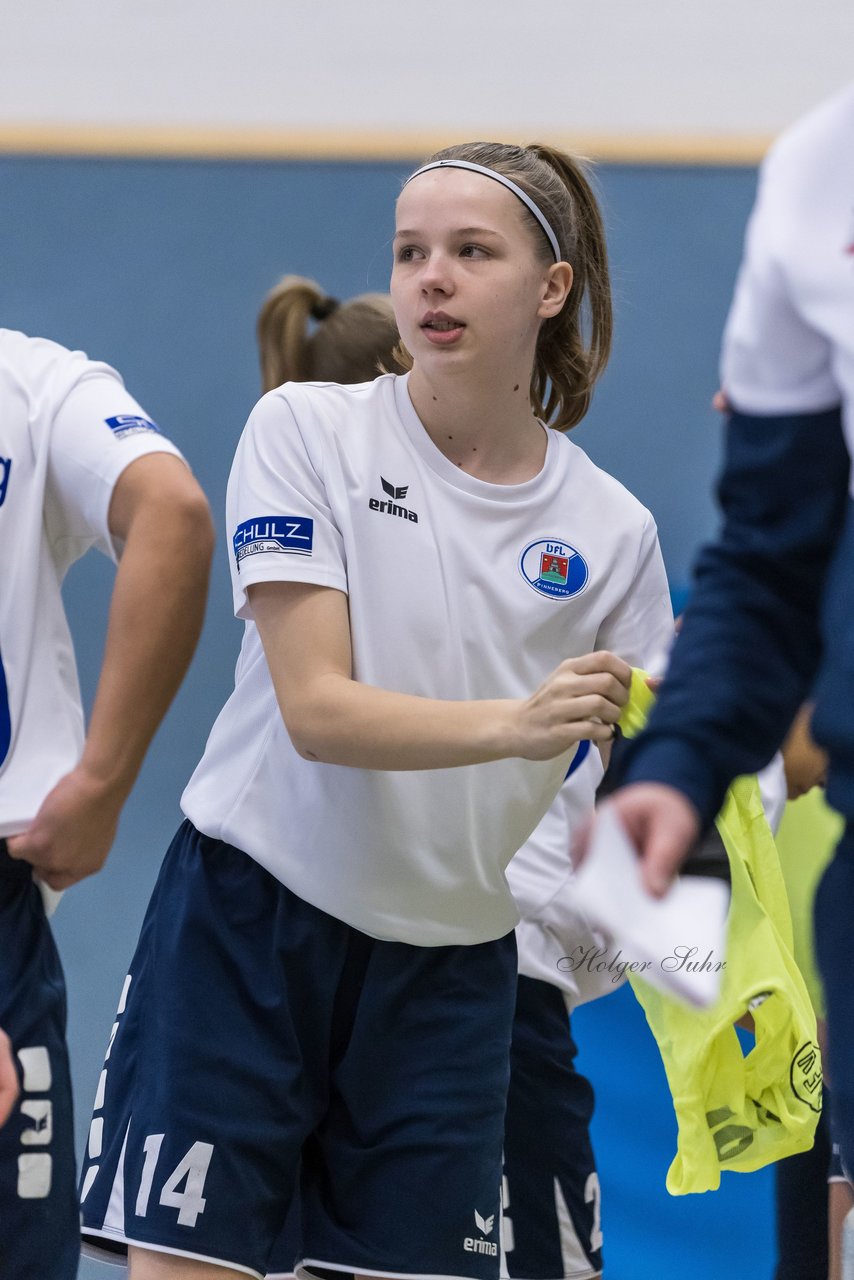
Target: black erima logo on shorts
{"type": "Point", "coordinates": [396, 494]}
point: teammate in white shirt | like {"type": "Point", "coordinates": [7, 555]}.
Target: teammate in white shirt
{"type": "Point", "coordinates": [80, 465]}
{"type": "Point", "coordinates": [770, 620]}
{"type": "Point", "coordinates": [326, 974]}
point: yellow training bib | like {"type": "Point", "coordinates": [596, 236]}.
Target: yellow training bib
{"type": "Point", "coordinates": [735, 1111]}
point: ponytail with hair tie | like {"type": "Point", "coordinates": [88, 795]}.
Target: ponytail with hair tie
{"type": "Point", "coordinates": [324, 308]}
{"type": "Point", "coordinates": [355, 347]}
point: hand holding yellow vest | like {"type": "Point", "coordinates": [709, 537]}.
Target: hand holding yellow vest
{"type": "Point", "coordinates": [736, 1112]}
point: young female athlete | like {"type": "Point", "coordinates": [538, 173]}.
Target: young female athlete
{"type": "Point", "coordinates": [552, 1226]}
{"type": "Point", "coordinates": [435, 586]}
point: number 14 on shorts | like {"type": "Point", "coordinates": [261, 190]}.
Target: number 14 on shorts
{"type": "Point", "coordinates": [192, 1171]}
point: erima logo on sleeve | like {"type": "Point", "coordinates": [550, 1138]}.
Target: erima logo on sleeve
{"type": "Point", "coordinates": [293, 535]}
{"type": "Point", "coordinates": [129, 424]}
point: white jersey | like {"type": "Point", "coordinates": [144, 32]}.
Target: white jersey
{"type": "Point", "coordinates": [457, 589]}
{"type": "Point", "coordinates": [68, 429]}
{"type": "Point", "coordinates": [789, 340]}
{"type": "Point", "coordinates": [556, 942]}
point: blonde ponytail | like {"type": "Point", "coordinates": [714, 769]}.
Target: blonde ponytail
{"type": "Point", "coordinates": [305, 335]}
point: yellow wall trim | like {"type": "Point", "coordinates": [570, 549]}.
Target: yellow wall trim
{"type": "Point", "coordinates": [185, 142]}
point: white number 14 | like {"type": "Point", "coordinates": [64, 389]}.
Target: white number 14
{"type": "Point", "coordinates": [192, 1170]}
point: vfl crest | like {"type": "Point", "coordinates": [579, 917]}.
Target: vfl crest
{"type": "Point", "coordinates": [554, 568]}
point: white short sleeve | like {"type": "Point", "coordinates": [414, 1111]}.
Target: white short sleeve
{"type": "Point", "coordinates": [773, 789]}
{"type": "Point", "coordinates": [97, 431]}
{"type": "Point", "coordinates": [774, 361]}
{"type": "Point", "coordinates": [280, 521]}
{"type": "Point", "coordinates": [640, 628]}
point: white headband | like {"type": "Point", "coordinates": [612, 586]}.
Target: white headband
{"type": "Point", "coordinates": [505, 182]}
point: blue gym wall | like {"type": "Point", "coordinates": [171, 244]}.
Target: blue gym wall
{"type": "Point", "coordinates": [159, 268]}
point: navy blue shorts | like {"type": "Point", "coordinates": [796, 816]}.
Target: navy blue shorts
{"type": "Point", "coordinates": [836, 1169]}
{"type": "Point", "coordinates": [552, 1226]}
{"type": "Point", "coordinates": [834, 912]}
{"type": "Point", "coordinates": [39, 1231]}
{"type": "Point", "coordinates": [260, 1040]}
{"type": "Point", "coordinates": [800, 1193]}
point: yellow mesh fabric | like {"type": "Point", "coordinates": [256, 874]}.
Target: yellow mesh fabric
{"type": "Point", "coordinates": [734, 1111]}
{"type": "Point", "coordinates": [808, 834]}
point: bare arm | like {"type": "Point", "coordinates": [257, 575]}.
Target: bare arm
{"type": "Point", "coordinates": [335, 719]}
{"type": "Point", "coordinates": [156, 613]}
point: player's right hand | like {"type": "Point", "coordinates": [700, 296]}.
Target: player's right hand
{"type": "Point", "coordinates": [661, 823]}
{"type": "Point", "coordinates": [8, 1078]}
{"type": "Point", "coordinates": [581, 699]}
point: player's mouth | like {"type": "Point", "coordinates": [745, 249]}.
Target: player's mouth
{"type": "Point", "coordinates": [441, 329]}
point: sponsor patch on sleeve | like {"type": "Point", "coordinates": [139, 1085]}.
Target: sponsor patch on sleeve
{"type": "Point", "coordinates": [292, 535]}
{"type": "Point", "coordinates": [129, 424]}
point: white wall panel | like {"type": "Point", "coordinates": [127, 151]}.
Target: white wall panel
{"type": "Point", "coordinates": [593, 67]}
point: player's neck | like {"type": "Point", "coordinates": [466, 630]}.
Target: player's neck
{"type": "Point", "coordinates": [487, 429]}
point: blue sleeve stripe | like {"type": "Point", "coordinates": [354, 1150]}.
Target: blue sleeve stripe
{"type": "Point", "coordinates": [578, 759]}
{"type": "Point", "coordinates": [5, 715]}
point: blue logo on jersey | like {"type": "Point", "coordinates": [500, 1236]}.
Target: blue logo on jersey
{"type": "Point", "coordinates": [554, 568]}
{"type": "Point", "coordinates": [5, 472]}
{"type": "Point", "coordinates": [128, 424]}
{"type": "Point", "coordinates": [291, 534]}
{"type": "Point", "coordinates": [5, 715]}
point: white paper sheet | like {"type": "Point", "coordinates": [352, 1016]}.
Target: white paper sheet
{"type": "Point", "coordinates": [675, 943]}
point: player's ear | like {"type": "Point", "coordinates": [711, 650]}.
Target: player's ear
{"type": "Point", "coordinates": [556, 289]}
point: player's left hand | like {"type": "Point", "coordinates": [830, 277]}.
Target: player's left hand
{"type": "Point", "coordinates": [8, 1078]}
{"type": "Point", "coordinates": [73, 831]}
